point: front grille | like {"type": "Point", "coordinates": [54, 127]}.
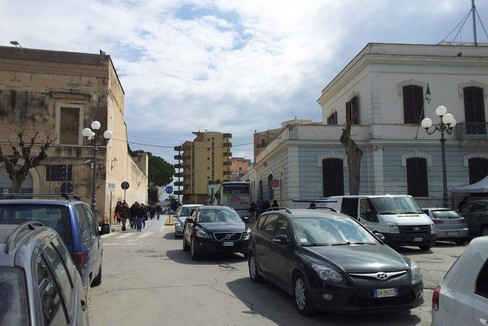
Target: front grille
{"type": "Point", "coordinates": [416, 229]}
{"type": "Point", "coordinates": [227, 236]}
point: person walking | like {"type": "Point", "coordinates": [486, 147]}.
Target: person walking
{"type": "Point", "coordinates": [124, 213]}
{"type": "Point", "coordinates": [140, 216]}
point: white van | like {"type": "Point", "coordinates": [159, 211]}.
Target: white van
{"type": "Point", "coordinates": [397, 217]}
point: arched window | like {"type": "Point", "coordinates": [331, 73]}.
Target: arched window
{"type": "Point", "coordinates": [417, 182]}
{"type": "Point", "coordinates": [413, 103]}
{"type": "Point", "coordinates": [270, 189]}
{"type": "Point", "coordinates": [478, 169]}
{"type": "Point", "coordinates": [332, 177]}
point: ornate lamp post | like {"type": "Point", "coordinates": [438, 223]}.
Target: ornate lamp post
{"type": "Point", "coordinates": [95, 138]}
{"type": "Point", "coordinates": [446, 125]}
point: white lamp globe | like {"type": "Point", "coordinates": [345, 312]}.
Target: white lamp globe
{"type": "Point", "coordinates": [95, 125]}
{"type": "Point", "coordinates": [426, 123]}
{"type": "Point", "coordinates": [441, 111]}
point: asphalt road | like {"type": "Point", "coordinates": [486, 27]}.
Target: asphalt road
{"type": "Point", "coordinates": [149, 280]}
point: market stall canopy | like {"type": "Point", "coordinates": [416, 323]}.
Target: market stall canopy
{"type": "Point", "coordinates": [477, 187]}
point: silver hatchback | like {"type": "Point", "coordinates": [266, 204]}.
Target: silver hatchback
{"type": "Point", "coordinates": [449, 224]}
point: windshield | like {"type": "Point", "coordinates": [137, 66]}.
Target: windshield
{"type": "Point", "coordinates": [218, 215]}
{"type": "Point", "coordinates": [13, 306]}
{"type": "Point", "coordinates": [329, 232]}
{"type": "Point", "coordinates": [55, 216]}
{"type": "Point", "coordinates": [396, 205]}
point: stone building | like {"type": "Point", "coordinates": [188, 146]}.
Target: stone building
{"type": "Point", "coordinates": [58, 94]}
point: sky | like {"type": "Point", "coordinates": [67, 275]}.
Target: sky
{"type": "Point", "coordinates": [231, 66]}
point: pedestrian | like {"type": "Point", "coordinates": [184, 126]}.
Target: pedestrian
{"type": "Point", "coordinates": [118, 206]}
{"type": "Point", "coordinates": [133, 215]}
{"type": "Point", "coordinates": [265, 206]}
{"type": "Point", "coordinates": [159, 210]}
{"type": "Point", "coordinates": [275, 204]}
{"type": "Point", "coordinates": [312, 206]}
{"type": "Point", "coordinates": [140, 216]}
{"type": "Point", "coordinates": [124, 213]}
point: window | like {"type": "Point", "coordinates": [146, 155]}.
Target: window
{"type": "Point", "coordinates": [352, 111]}
{"type": "Point", "coordinates": [332, 119]}
{"type": "Point", "coordinates": [482, 281]}
{"type": "Point", "coordinates": [60, 270]}
{"type": "Point", "coordinates": [332, 177]}
{"type": "Point", "coordinates": [413, 103]}
{"type": "Point", "coordinates": [417, 185]}
{"type": "Point", "coordinates": [269, 226]}
{"type": "Point", "coordinates": [349, 207]}
{"type": "Point", "coordinates": [53, 308]}
{"type": "Point", "coordinates": [474, 110]}
{"type": "Point", "coordinates": [478, 169]}
{"type": "Point", "coordinates": [69, 129]}
{"type": "Point", "coordinates": [83, 222]}
{"type": "Point", "coordinates": [59, 172]}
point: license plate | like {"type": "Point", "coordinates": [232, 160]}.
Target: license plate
{"type": "Point", "coordinates": [418, 239]}
{"type": "Point", "coordinates": [385, 293]}
{"type": "Point", "coordinates": [453, 233]}
{"type": "Point", "coordinates": [227, 244]}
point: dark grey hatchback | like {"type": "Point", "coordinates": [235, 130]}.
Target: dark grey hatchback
{"type": "Point", "coordinates": [330, 262]}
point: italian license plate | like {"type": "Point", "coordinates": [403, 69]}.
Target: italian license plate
{"type": "Point", "coordinates": [453, 233]}
{"type": "Point", "coordinates": [385, 293]}
{"type": "Point", "coordinates": [228, 244]}
{"type": "Point", "coordinates": [418, 239]}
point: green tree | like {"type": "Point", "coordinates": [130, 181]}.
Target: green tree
{"type": "Point", "coordinates": [160, 172]}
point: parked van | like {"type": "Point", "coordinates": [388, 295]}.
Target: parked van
{"type": "Point", "coordinates": [397, 217]}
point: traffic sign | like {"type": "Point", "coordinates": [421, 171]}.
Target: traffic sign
{"type": "Point", "coordinates": [275, 183]}
{"type": "Point", "coordinates": [125, 185]}
{"type": "Point", "coordinates": [169, 189]}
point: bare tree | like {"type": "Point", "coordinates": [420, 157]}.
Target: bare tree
{"type": "Point", "coordinates": [354, 156]}
{"type": "Point", "coordinates": [22, 151]}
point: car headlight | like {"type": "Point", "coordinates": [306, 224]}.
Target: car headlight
{"type": "Point", "coordinates": [178, 224]}
{"type": "Point", "coordinates": [202, 234]}
{"type": "Point", "coordinates": [393, 228]}
{"type": "Point", "coordinates": [328, 274]}
{"type": "Point", "coordinates": [415, 271]}
{"type": "Point", "coordinates": [247, 234]}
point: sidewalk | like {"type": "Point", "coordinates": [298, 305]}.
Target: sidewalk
{"type": "Point", "coordinates": [167, 218]}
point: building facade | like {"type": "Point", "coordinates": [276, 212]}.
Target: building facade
{"type": "Point", "coordinates": [58, 94]}
{"type": "Point", "coordinates": [206, 159]}
{"type": "Point", "coordinates": [385, 91]}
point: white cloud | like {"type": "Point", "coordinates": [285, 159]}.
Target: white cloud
{"type": "Point", "coordinates": [225, 65]}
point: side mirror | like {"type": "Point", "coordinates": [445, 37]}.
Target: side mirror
{"type": "Point", "coordinates": [379, 236]}
{"type": "Point", "coordinates": [105, 229]}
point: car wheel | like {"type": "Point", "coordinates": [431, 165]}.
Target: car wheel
{"type": "Point", "coordinates": [98, 280]}
{"type": "Point", "coordinates": [253, 269]}
{"type": "Point", "coordinates": [302, 296]}
{"type": "Point", "coordinates": [193, 250]}
{"type": "Point", "coordinates": [186, 247]}
{"type": "Point", "coordinates": [484, 230]}
{"type": "Point", "coordinates": [425, 247]}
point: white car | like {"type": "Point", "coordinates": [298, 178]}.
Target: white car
{"type": "Point", "coordinates": [461, 298]}
{"type": "Point", "coordinates": [180, 216]}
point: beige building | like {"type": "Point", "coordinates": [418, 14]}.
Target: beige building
{"type": "Point", "coordinates": [204, 160]}
{"type": "Point", "coordinates": [58, 94]}
{"type": "Point", "coordinates": [240, 166]}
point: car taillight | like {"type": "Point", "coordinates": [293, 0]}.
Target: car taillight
{"type": "Point", "coordinates": [435, 298]}
{"type": "Point", "coordinates": [79, 261]}
{"type": "Point", "coordinates": [438, 221]}
{"type": "Point", "coordinates": [462, 221]}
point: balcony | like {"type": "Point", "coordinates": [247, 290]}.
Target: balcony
{"type": "Point", "coordinates": [227, 135]}
{"type": "Point", "coordinates": [178, 148]}
{"type": "Point", "coordinates": [178, 157]}
{"type": "Point", "coordinates": [228, 154]}
{"type": "Point", "coordinates": [178, 175]}
{"type": "Point", "coordinates": [178, 166]}
{"type": "Point", "coordinates": [227, 172]}
{"type": "Point", "coordinates": [227, 144]}
{"type": "Point", "coordinates": [227, 163]}
{"type": "Point", "coordinates": [178, 183]}
{"type": "Point", "coordinates": [471, 130]}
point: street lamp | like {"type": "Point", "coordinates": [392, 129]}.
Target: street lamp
{"type": "Point", "coordinates": [95, 138]}
{"type": "Point", "coordinates": [446, 125]}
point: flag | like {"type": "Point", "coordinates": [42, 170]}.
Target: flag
{"type": "Point", "coordinates": [427, 94]}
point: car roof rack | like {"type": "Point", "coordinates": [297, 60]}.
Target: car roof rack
{"type": "Point", "coordinates": [29, 195]}
{"type": "Point", "coordinates": [11, 241]}
{"type": "Point", "coordinates": [278, 209]}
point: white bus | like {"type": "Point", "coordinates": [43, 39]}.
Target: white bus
{"type": "Point", "coordinates": [235, 194]}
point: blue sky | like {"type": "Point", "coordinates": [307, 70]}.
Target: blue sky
{"type": "Point", "coordinates": [234, 66]}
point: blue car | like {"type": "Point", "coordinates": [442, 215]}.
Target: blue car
{"type": "Point", "coordinates": [75, 223]}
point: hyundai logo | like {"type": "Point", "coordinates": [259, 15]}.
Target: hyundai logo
{"type": "Point", "coordinates": [381, 276]}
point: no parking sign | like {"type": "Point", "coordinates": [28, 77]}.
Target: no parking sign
{"type": "Point", "coordinates": [275, 183]}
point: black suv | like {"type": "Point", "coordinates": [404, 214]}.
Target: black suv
{"type": "Point", "coordinates": [39, 283]}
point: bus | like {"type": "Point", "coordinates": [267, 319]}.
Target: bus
{"type": "Point", "coordinates": [235, 194]}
